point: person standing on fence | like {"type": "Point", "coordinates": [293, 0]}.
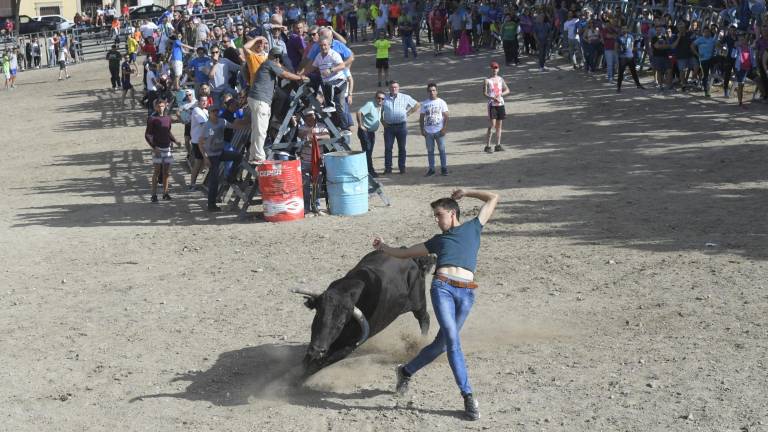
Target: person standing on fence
{"type": "Point", "coordinates": [395, 111]}
{"type": "Point", "coordinates": [114, 57]}
{"type": "Point", "coordinates": [433, 122]}
{"type": "Point", "coordinates": [260, 94]}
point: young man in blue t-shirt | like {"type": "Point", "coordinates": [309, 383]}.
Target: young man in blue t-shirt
{"type": "Point", "coordinates": [453, 288]}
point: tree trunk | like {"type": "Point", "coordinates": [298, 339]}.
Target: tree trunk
{"type": "Point", "coordinates": [15, 14]}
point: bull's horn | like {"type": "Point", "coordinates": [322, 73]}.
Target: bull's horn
{"type": "Point", "coordinates": [358, 315]}
{"type": "Point", "coordinates": [305, 292]}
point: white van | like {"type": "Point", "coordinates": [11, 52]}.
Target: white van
{"type": "Point", "coordinates": [58, 21]}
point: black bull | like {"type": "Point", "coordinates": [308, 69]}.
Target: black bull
{"type": "Point", "coordinates": [364, 302]}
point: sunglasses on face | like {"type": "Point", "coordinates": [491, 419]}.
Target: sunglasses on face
{"type": "Point", "coordinates": [214, 52]}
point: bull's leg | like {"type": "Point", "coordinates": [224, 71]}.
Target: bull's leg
{"type": "Point", "coordinates": [423, 316]}
{"type": "Point", "coordinates": [338, 355]}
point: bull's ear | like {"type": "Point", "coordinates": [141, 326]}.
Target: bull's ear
{"type": "Point", "coordinates": [310, 302]}
{"type": "Point", "coordinates": [425, 263]}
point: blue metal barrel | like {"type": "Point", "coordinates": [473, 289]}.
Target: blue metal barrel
{"type": "Point", "coordinates": [347, 180]}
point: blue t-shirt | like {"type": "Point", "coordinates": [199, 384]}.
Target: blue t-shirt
{"type": "Point", "coordinates": [458, 246]}
{"type": "Point", "coordinates": [177, 54]}
{"type": "Point", "coordinates": [197, 64]}
{"type": "Point", "coordinates": [337, 46]}
{"type": "Point", "coordinates": [705, 46]}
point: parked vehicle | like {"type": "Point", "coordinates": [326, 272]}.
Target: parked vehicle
{"type": "Point", "coordinates": [59, 21]}
{"type": "Point", "coordinates": [29, 25]}
{"type": "Point", "coordinates": [147, 12]}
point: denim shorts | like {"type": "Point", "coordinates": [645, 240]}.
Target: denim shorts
{"type": "Point", "coordinates": [688, 63]}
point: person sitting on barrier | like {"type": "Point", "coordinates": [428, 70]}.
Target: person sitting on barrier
{"type": "Point", "coordinates": [212, 146]}
{"type": "Point", "coordinates": [334, 87]}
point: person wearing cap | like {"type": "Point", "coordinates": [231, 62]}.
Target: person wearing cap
{"type": "Point", "coordinates": [213, 147]}
{"type": "Point", "coordinates": [495, 88]}
{"type": "Point", "coordinates": [260, 94]}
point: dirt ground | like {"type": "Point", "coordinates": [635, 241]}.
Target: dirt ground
{"type": "Point", "coordinates": [623, 276]}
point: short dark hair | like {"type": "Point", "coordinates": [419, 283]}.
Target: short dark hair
{"type": "Point", "coordinates": [430, 85]}
{"type": "Point", "coordinates": [447, 204]}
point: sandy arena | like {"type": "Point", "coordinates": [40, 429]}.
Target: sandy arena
{"type": "Point", "coordinates": [623, 276]}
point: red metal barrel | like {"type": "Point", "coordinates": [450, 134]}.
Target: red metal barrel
{"type": "Point", "coordinates": [281, 191]}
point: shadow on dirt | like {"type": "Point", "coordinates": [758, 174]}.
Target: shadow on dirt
{"type": "Point", "coordinates": [121, 196]}
{"type": "Point", "coordinates": [272, 373]}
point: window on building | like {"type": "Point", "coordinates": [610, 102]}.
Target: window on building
{"type": "Point", "coordinates": [50, 10]}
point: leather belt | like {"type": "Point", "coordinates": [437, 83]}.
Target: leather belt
{"type": "Point", "coordinates": [456, 283]}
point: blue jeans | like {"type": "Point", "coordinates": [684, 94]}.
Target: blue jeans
{"type": "Point", "coordinates": [408, 43]}
{"type": "Point", "coordinates": [440, 139]}
{"type": "Point", "coordinates": [367, 139]}
{"type": "Point", "coordinates": [391, 132]}
{"type": "Point", "coordinates": [452, 306]}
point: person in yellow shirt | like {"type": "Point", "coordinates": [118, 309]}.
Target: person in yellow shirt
{"type": "Point", "coordinates": [382, 45]}
{"type": "Point", "coordinates": [132, 46]}
{"type": "Point", "coordinates": [373, 13]}
{"type": "Point", "coordinates": [255, 55]}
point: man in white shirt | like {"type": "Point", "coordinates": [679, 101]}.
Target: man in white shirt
{"type": "Point", "coordinates": [574, 45]}
{"type": "Point", "coordinates": [434, 121]}
{"type": "Point", "coordinates": [147, 29]}
{"type": "Point", "coordinates": [198, 121]}
{"type": "Point", "coordinates": [334, 87]}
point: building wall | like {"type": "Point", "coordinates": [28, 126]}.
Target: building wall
{"type": "Point", "coordinates": [68, 8]}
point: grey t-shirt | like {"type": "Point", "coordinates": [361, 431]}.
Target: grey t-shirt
{"type": "Point", "coordinates": [214, 142]}
{"type": "Point", "coordinates": [263, 87]}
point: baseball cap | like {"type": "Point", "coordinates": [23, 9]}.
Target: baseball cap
{"type": "Point", "coordinates": [494, 65]}
{"type": "Point", "coordinates": [275, 52]}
